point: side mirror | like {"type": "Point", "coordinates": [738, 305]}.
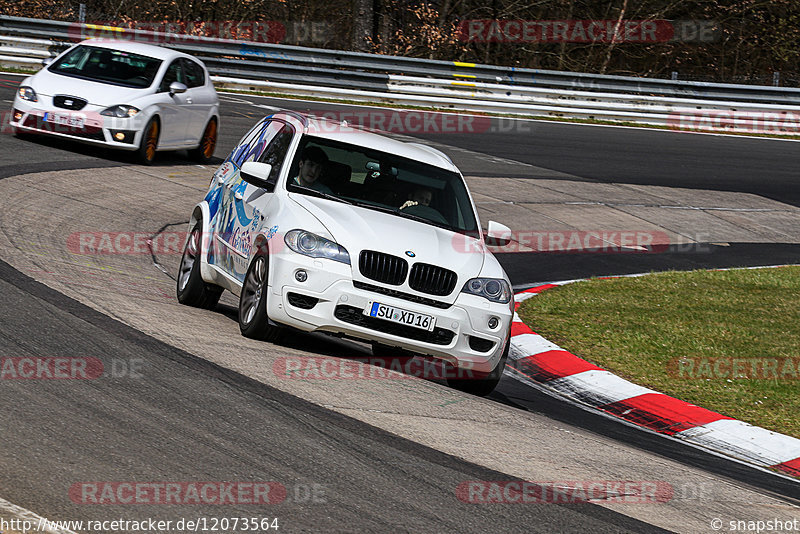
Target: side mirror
{"type": "Point", "coordinates": [176, 88]}
{"type": "Point", "coordinates": [257, 173]}
{"type": "Point", "coordinates": [498, 235]}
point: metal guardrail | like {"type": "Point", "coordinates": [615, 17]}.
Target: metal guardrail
{"type": "Point", "coordinates": [449, 85]}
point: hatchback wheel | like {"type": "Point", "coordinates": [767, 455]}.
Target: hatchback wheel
{"type": "Point", "coordinates": [204, 153]}
{"type": "Point", "coordinates": [149, 142]}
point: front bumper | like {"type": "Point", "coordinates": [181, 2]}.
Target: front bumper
{"type": "Point", "coordinates": [123, 134]}
{"type": "Point", "coordinates": [328, 300]}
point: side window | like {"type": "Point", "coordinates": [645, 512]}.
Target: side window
{"type": "Point", "coordinates": [240, 153]}
{"type": "Point", "coordinates": [275, 153]}
{"type": "Point", "coordinates": [174, 74]}
{"type": "Point", "coordinates": [195, 77]}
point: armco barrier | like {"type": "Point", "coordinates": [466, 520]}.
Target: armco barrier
{"type": "Point", "coordinates": [448, 85]}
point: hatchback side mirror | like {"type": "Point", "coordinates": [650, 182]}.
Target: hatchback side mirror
{"type": "Point", "coordinates": [176, 88]}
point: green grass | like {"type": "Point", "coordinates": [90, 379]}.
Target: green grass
{"type": "Point", "coordinates": [19, 70]}
{"type": "Point", "coordinates": [658, 330]}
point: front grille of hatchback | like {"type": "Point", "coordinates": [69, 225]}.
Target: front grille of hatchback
{"type": "Point", "coordinates": [69, 102]}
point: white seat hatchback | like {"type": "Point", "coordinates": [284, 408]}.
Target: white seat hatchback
{"type": "Point", "coordinates": [322, 227]}
{"type": "Point", "coordinates": [125, 95]}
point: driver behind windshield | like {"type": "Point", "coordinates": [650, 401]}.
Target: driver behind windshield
{"type": "Point", "coordinates": [312, 162]}
{"type": "Point", "coordinates": [421, 196]}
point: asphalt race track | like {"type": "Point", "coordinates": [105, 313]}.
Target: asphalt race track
{"type": "Point", "coordinates": [205, 404]}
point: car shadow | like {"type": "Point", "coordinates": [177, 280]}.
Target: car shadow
{"type": "Point", "coordinates": [163, 159]}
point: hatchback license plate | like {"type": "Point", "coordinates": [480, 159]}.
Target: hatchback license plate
{"type": "Point", "coordinates": [397, 315]}
{"type": "Point", "coordinates": [64, 120]}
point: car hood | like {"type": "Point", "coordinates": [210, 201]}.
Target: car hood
{"type": "Point", "coordinates": [357, 229]}
{"type": "Point", "coordinates": [46, 83]}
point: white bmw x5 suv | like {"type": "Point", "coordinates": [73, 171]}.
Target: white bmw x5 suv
{"type": "Point", "coordinates": [322, 227]}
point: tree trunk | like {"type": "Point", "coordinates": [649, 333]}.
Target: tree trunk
{"type": "Point", "coordinates": [362, 25]}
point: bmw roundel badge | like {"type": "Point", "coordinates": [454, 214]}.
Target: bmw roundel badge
{"type": "Point", "coordinates": [410, 254]}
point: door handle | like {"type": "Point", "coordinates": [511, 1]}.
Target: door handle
{"type": "Point", "coordinates": [238, 196]}
{"type": "Point", "coordinates": [188, 100]}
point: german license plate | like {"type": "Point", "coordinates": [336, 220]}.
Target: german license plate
{"type": "Point", "coordinates": [64, 120]}
{"type": "Point", "coordinates": [397, 315]}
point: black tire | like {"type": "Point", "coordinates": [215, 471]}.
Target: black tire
{"type": "Point", "coordinates": [479, 384]}
{"type": "Point", "coordinates": [191, 289]}
{"type": "Point", "coordinates": [253, 320]}
{"type": "Point", "coordinates": [146, 154]}
{"type": "Point", "coordinates": [204, 153]}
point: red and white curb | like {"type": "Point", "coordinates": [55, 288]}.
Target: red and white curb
{"type": "Point", "coordinates": [544, 363]}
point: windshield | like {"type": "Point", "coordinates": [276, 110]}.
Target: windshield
{"type": "Point", "coordinates": [107, 66]}
{"type": "Point", "coordinates": [383, 182]}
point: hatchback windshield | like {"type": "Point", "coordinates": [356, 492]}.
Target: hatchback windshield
{"type": "Point", "coordinates": [383, 182]}
{"type": "Point", "coordinates": [108, 66]}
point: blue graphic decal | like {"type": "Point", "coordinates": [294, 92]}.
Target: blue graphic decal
{"type": "Point", "coordinates": [244, 220]}
{"type": "Point", "coordinates": [253, 148]}
{"type": "Point", "coordinates": [213, 197]}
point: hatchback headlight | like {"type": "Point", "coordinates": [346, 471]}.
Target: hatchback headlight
{"type": "Point", "coordinates": [494, 289]}
{"type": "Point", "coordinates": [122, 111]}
{"type": "Point", "coordinates": [27, 93]}
{"type": "Point", "coordinates": [312, 245]}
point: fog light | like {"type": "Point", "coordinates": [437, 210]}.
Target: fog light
{"type": "Point", "coordinates": [17, 116]}
{"type": "Point", "coordinates": [301, 276]}
{"type": "Point", "coordinates": [493, 322]}
{"type": "Point", "coordinates": [123, 136]}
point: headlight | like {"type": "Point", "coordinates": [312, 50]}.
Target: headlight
{"type": "Point", "coordinates": [27, 93]}
{"type": "Point", "coordinates": [122, 111]}
{"type": "Point", "coordinates": [494, 289]}
{"type": "Point", "coordinates": [312, 245]}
